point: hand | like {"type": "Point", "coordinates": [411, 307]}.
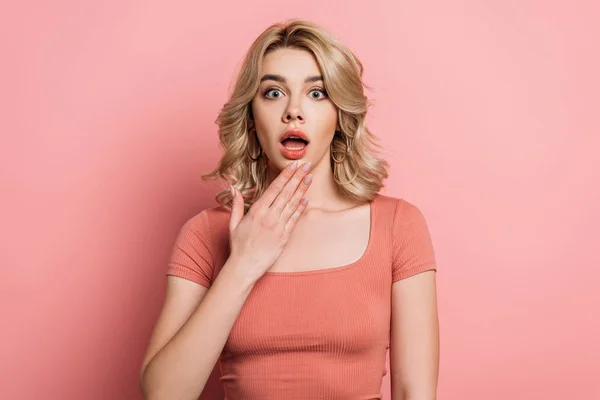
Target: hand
{"type": "Point", "coordinates": [258, 238]}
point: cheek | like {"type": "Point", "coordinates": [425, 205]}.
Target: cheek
{"type": "Point", "coordinates": [326, 117]}
{"type": "Point", "coordinates": [266, 114]}
{"type": "Point", "coordinates": [267, 123]}
{"type": "Point", "coordinates": [325, 125]}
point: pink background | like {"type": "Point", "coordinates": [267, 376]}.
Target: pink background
{"type": "Point", "coordinates": [488, 112]}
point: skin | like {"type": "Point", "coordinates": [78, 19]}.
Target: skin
{"type": "Point", "coordinates": [414, 339]}
{"type": "Point", "coordinates": [297, 104]}
{"type": "Point", "coordinates": [183, 349]}
{"type": "Point", "coordinates": [277, 106]}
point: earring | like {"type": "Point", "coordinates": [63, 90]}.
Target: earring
{"type": "Point", "coordinates": [347, 152]}
{"type": "Point", "coordinates": [260, 152]}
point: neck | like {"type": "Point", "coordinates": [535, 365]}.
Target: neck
{"type": "Point", "coordinates": [323, 191]}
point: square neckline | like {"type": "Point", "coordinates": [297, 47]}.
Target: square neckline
{"type": "Point", "coordinates": [365, 254]}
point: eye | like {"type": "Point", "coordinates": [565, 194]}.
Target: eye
{"type": "Point", "coordinates": [320, 94]}
{"type": "Point", "coordinates": [275, 93]}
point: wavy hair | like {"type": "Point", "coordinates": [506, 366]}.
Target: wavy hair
{"type": "Point", "coordinates": [357, 168]}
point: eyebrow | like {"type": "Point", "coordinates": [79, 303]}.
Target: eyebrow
{"type": "Point", "coordinates": [279, 78]}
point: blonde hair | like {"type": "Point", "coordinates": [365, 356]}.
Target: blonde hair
{"type": "Point", "coordinates": [361, 173]}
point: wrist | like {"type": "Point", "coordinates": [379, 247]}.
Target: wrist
{"type": "Point", "coordinates": [239, 272]}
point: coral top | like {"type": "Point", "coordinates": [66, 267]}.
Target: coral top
{"type": "Point", "coordinates": [320, 334]}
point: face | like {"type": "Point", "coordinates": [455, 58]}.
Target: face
{"type": "Point", "coordinates": [291, 97]}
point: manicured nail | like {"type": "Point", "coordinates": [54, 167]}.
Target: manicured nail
{"type": "Point", "coordinates": [293, 165]}
{"type": "Point", "coordinates": [232, 191]}
{"type": "Point", "coordinates": [306, 166]}
{"type": "Point", "coordinates": [308, 179]}
{"type": "Point", "coordinates": [304, 201]}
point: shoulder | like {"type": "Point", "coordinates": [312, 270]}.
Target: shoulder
{"type": "Point", "coordinates": [208, 229]}
{"type": "Point", "coordinates": [212, 218]}
{"type": "Point", "coordinates": [401, 217]}
{"type": "Point", "coordinates": [200, 246]}
{"type": "Point", "coordinates": [398, 208]}
{"type": "Point", "coordinates": [412, 247]}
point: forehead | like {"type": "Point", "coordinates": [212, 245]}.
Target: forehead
{"type": "Point", "coordinates": [293, 64]}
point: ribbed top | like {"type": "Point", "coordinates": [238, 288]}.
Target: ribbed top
{"type": "Point", "coordinates": [316, 334]}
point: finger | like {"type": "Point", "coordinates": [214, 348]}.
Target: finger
{"type": "Point", "coordinates": [288, 190]}
{"type": "Point", "coordinates": [276, 186]}
{"type": "Point", "coordinates": [291, 223]}
{"type": "Point", "coordinates": [294, 202]}
{"type": "Point", "coordinates": [237, 210]}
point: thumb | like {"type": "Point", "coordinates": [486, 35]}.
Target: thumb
{"type": "Point", "coordinates": [237, 209]}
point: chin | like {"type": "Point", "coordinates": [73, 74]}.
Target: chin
{"type": "Point", "coordinates": [283, 162]}
{"type": "Point", "coordinates": [282, 158]}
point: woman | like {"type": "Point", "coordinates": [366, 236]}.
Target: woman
{"type": "Point", "coordinates": [303, 276]}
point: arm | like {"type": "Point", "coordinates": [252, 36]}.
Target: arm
{"type": "Point", "coordinates": [414, 345]}
{"type": "Point", "coordinates": [183, 352]}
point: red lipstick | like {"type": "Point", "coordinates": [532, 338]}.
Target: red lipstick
{"type": "Point", "coordinates": [296, 144]}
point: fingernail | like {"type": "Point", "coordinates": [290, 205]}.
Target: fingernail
{"type": "Point", "coordinates": [308, 179]}
{"type": "Point", "coordinates": [232, 191]}
{"type": "Point", "coordinates": [293, 165]}
{"type": "Point", "coordinates": [306, 166]}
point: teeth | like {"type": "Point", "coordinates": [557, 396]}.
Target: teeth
{"type": "Point", "coordinates": [294, 148]}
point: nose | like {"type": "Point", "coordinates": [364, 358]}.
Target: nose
{"type": "Point", "coordinates": [293, 112]}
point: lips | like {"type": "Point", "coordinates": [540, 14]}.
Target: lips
{"type": "Point", "coordinates": [294, 133]}
{"type": "Point", "coordinates": [294, 144]}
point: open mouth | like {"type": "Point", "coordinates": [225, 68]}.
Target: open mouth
{"type": "Point", "coordinates": [294, 143]}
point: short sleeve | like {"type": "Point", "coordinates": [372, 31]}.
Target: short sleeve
{"type": "Point", "coordinates": [413, 249]}
{"type": "Point", "coordinates": [191, 256]}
